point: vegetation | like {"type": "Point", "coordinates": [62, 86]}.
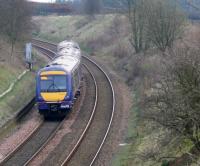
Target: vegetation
{"type": "Point", "coordinates": [138, 21]}
{"type": "Point", "coordinates": [7, 75]}
{"type": "Point", "coordinates": [15, 26]}
{"type": "Point", "coordinates": [172, 100]}
{"type": "Point", "coordinates": [174, 104]}
{"type": "Point", "coordinates": [154, 22]}
{"type": "Point", "coordinates": [15, 17]}
{"type": "Point", "coordinates": [10, 104]}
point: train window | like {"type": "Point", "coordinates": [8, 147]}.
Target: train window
{"type": "Point", "coordinates": [53, 83]}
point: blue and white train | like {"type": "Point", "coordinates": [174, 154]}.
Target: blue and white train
{"type": "Point", "coordinates": [58, 84]}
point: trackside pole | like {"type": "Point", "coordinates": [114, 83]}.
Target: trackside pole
{"type": "Point", "coordinates": [28, 55]}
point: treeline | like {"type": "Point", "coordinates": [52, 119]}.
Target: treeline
{"type": "Point", "coordinates": [51, 8]}
{"type": "Point", "coordinates": [154, 23]}
{"type": "Point", "coordinates": [190, 7]}
{"type": "Point", "coordinates": [15, 21]}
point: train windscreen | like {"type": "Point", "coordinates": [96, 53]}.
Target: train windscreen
{"type": "Point", "coordinates": [53, 83]}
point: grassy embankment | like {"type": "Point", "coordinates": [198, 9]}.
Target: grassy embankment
{"type": "Point", "coordinates": [107, 38]}
{"type": "Point", "coordinates": [23, 91]}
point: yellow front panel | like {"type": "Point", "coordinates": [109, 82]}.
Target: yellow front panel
{"type": "Point", "coordinates": [53, 96]}
{"type": "Point", "coordinates": [44, 73]}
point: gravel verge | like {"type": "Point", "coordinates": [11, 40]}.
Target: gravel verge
{"type": "Point", "coordinates": [19, 133]}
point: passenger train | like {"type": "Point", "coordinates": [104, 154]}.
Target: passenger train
{"type": "Point", "coordinates": [58, 84]}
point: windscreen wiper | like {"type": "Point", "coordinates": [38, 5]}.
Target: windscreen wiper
{"type": "Point", "coordinates": [55, 87]}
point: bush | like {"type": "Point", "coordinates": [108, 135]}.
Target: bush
{"type": "Point", "coordinates": [175, 103]}
{"type": "Point", "coordinates": [165, 163]}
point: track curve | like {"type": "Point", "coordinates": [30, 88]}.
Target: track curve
{"type": "Point", "coordinates": [30, 146]}
{"type": "Point", "coordinates": [103, 118]}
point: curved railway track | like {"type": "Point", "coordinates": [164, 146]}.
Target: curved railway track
{"type": "Point", "coordinates": [38, 138]}
{"type": "Point", "coordinates": [87, 148]}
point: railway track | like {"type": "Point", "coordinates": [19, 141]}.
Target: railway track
{"type": "Point", "coordinates": [17, 117]}
{"type": "Point", "coordinates": [89, 144]}
{"type": "Point", "coordinates": [38, 138]}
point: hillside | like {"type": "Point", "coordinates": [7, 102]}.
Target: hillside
{"type": "Point", "coordinates": [10, 69]}
{"type": "Point", "coordinates": [106, 38]}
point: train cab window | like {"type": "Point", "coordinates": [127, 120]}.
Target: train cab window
{"type": "Point", "coordinates": [53, 83]}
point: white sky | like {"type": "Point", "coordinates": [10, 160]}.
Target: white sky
{"type": "Point", "coordinates": [42, 0]}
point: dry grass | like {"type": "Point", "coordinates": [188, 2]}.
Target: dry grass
{"type": "Point", "coordinates": [10, 69]}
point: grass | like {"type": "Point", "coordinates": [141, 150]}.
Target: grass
{"type": "Point", "coordinates": [7, 76]}
{"type": "Point", "coordinates": [22, 93]}
{"type": "Point", "coordinates": [78, 28]}
{"type": "Point", "coordinates": [144, 139]}
{"type": "Point", "coordinates": [123, 157]}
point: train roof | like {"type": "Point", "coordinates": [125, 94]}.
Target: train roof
{"type": "Point", "coordinates": [66, 63]}
{"type": "Point", "coordinates": [68, 57]}
{"type": "Point", "coordinates": [70, 52]}
{"type": "Point", "coordinates": [68, 44]}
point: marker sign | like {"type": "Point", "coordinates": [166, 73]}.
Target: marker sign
{"type": "Point", "coordinates": [28, 52]}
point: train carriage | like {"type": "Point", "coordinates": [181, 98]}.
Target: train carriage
{"type": "Point", "coordinates": [67, 44]}
{"type": "Point", "coordinates": [58, 84]}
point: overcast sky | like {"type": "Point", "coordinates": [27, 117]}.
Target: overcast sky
{"type": "Point", "coordinates": [42, 0]}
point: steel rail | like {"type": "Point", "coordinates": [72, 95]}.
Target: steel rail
{"type": "Point", "coordinates": [45, 143]}
{"type": "Point", "coordinates": [9, 155]}
{"type": "Point", "coordinates": [113, 111]}
{"type": "Point", "coordinates": [49, 53]}
{"type": "Point", "coordinates": [113, 105]}
{"type": "Point", "coordinates": [13, 159]}
{"type": "Point", "coordinates": [72, 152]}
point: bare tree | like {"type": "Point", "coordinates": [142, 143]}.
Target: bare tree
{"type": "Point", "coordinates": [15, 20]}
{"type": "Point", "coordinates": [137, 18]}
{"type": "Point", "coordinates": [175, 104]}
{"type": "Point", "coordinates": [154, 22]}
{"type": "Point", "coordinates": [165, 23]}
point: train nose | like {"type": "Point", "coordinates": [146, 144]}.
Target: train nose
{"type": "Point", "coordinates": [53, 96]}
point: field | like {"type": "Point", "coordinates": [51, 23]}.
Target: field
{"type": "Point", "coordinates": [107, 39]}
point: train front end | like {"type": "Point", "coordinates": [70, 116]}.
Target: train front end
{"type": "Point", "coordinates": [53, 93]}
